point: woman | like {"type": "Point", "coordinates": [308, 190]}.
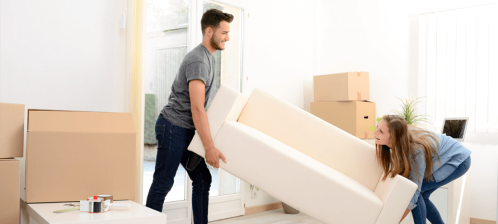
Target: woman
{"type": "Point", "coordinates": [430, 160]}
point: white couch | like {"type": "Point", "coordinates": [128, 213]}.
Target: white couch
{"type": "Point", "coordinates": [302, 160]}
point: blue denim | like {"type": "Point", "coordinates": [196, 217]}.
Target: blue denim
{"type": "Point", "coordinates": [172, 142]}
{"type": "Point", "coordinates": [451, 154]}
{"type": "Point", "coordinates": [425, 209]}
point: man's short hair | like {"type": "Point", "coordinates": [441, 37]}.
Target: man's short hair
{"type": "Point", "coordinates": [213, 17]}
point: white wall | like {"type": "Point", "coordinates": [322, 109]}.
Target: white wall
{"type": "Point", "coordinates": [63, 55]}
{"type": "Point", "coordinates": [484, 175]}
{"type": "Point", "coordinates": [381, 37]}
{"type": "Point", "coordinates": [281, 46]}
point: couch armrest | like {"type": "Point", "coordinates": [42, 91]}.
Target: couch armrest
{"type": "Point", "coordinates": [227, 105]}
{"type": "Point", "coordinates": [396, 194]}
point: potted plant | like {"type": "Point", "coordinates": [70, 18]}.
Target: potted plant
{"type": "Point", "coordinates": [408, 112]}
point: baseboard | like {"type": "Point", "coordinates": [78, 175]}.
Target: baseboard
{"type": "Point", "coordinates": [481, 221]}
{"type": "Point", "coordinates": [262, 208]}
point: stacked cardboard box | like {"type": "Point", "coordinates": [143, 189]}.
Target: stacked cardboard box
{"type": "Point", "coordinates": [342, 100]}
{"type": "Point", "coordinates": [9, 191]}
{"type": "Point", "coordinates": [72, 155]}
{"type": "Point", "coordinates": [11, 130]}
{"type": "Point", "coordinates": [11, 145]}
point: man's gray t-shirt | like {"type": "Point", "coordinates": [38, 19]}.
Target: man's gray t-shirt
{"type": "Point", "coordinates": [197, 64]}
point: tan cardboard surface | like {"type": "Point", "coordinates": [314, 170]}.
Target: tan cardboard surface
{"type": "Point", "coordinates": [354, 117]}
{"type": "Point", "coordinates": [341, 87]}
{"type": "Point", "coordinates": [72, 158]}
{"type": "Point", "coordinates": [9, 191]}
{"type": "Point", "coordinates": [340, 114]}
{"type": "Point", "coordinates": [78, 121]}
{"type": "Point", "coordinates": [11, 130]}
{"type": "Point", "coordinates": [365, 110]}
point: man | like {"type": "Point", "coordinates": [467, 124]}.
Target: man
{"type": "Point", "coordinates": [185, 113]}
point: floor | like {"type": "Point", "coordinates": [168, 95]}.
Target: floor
{"type": "Point", "coordinates": [272, 216]}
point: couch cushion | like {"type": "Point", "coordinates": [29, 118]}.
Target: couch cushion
{"type": "Point", "coordinates": [312, 136]}
{"type": "Point", "coordinates": [294, 178]}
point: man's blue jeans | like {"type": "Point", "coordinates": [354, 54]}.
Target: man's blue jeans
{"type": "Point", "coordinates": [425, 209]}
{"type": "Point", "coordinates": [172, 143]}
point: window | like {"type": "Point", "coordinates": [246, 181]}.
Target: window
{"type": "Point", "coordinates": [167, 38]}
{"type": "Point", "coordinates": [458, 66]}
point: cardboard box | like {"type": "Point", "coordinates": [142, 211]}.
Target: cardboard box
{"type": "Point", "coordinates": [9, 191]}
{"type": "Point", "coordinates": [11, 130]}
{"type": "Point", "coordinates": [72, 155]}
{"type": "Point", "coordinates": [341, 87]}
{"type": "Point", "coordinates": [354, 117]}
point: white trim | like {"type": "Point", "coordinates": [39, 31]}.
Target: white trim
{"type": "Point", "coordinates": [226, 199]}
{"type": "Point", "coordinates": [127, 82]}
{"type": "Point", "coordinates": [174, 209]}
{"type": "Point", "coordinates": [142, 104]}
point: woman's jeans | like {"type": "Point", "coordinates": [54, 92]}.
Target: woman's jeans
{"type": "Point", "coordinates": [425, 209]}
{"type": "Point", "coordinates": [172, 143]}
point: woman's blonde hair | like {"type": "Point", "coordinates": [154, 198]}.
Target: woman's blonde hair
{"type": "Point", "coordinates": [401, 158]}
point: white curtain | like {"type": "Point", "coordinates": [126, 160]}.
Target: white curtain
{"type": "Point", "coordinates": [458, 66]}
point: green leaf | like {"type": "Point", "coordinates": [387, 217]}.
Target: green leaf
{"type": "Point", "coordinates": [378, 119]}
{"type": "Point", "coordinates": [408, 112]}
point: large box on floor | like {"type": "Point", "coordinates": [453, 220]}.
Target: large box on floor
{"type": "Point", "coordinates": [73, 155]}
{"type": "Point", "coordinates": [9, 191]}
{"type": "Point", "coordinates": [11, 130]}
{"type": "Point", "coordinates": [341, 87]}
{"type": "Point", "coordinates": [354, 117]}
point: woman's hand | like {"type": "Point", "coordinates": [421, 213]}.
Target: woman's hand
{"type": "Point", "coordinates": [404, 215]}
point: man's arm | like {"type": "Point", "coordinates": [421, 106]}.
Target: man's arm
{"type": "Point", "coordinates": [197, 99]}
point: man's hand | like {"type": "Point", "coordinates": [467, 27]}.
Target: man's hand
{"type": "Point", "coordinates": [213, 156]}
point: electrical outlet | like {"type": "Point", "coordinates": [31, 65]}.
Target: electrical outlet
{"type": "Point", "coordinates": [254, 194]}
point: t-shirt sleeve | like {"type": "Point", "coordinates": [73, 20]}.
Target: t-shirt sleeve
{"type": "Point", "coordinates": [197, 70]}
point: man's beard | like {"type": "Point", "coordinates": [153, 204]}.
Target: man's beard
{"type": "Point", "coordinates": [215, 43]}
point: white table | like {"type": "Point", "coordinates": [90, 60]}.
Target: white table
{"type": "Point", "coordinates": [43, 213]}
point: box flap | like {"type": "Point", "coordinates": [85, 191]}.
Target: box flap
{"type": "Point", "coordinates": [79, 121]}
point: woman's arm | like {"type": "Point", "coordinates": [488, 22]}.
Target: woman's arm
{"type": "Point", "coordinates": [404, 215]}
